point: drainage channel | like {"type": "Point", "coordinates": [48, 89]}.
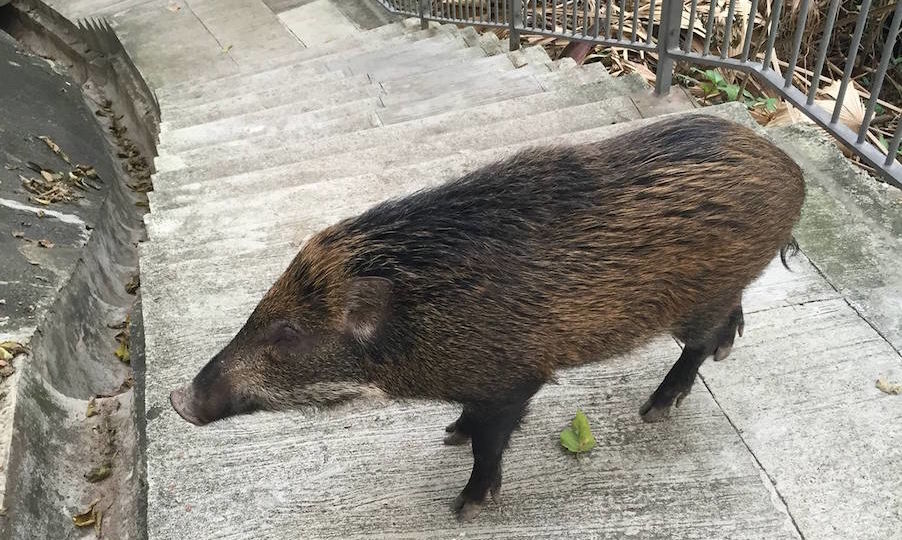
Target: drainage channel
{"type": "Point", "coordinates": [77, 136]}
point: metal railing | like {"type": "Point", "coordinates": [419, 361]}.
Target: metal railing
{"type": "Point", "coordinates": [666, 28]}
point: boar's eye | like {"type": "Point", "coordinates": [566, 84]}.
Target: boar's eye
{"type": "Point", "coordinates": [282, 332]}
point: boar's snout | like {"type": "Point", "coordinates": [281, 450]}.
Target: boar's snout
{"type": "Point", "coordinates": [202, 404]}
{"type": "Point", "coordinates": [184, 403]}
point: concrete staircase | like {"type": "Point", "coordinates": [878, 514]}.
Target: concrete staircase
{"type": "Point", "coordinates": [252, 163]}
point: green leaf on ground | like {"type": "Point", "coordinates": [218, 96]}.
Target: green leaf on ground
{"type": "Point", "coordinates": [578, 437]}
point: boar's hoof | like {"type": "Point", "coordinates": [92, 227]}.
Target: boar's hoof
{"type": "Point", "coordinates": [467, 509]}
{"type": "Point", "coordinates": [722, 352]}
{"type": "Point", "coordinates": [652, 412]}
{"type": "Point", "coordinates": [456, 438]}
{"type": "Point", "coordinates": [657, 409]}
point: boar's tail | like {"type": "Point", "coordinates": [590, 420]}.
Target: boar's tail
{"type": "Point", "coordinates": [789, 250]}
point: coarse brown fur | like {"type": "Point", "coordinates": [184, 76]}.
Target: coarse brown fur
{"type": "Point", "coordinates": [479, 290]}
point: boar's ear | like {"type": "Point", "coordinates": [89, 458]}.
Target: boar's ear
{"type": "Point", "coordinates": [366, 307]}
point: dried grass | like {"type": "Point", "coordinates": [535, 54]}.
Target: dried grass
{"type": "Point", "coordinates": [621, 61]}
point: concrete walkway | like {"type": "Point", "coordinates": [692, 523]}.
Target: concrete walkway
{"type": "Point", "coordinates": [267, 142]}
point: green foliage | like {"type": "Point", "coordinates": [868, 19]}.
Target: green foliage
{"type": "Point", "coordinates": [714, 85]}
{"type": "Point", "coordinates": [578, 437]}
{"type": "Point", "coordinates": [884, 143]}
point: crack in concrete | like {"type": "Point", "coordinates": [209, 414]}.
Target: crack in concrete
{"type": "Point", "coordinates": [854, 308]}
{"type": "Point", "coordinates": [227, 52]}
{"type": "Point", "coordinates": [773, 483]}
{"type": "Point", "coordinates": [794, 304]}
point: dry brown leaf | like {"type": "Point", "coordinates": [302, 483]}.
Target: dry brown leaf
{"type": "Point", "coordinates": [893, 389]}
{"type": "Point", "coordinates": [173, 7]}
{"type": "Point", "coordinates": [45, 244]}
{"type": "Point", "coordinates": [88, 517]}
{"type": "Point", "coordinates": [92, 408]}
{"type": "Point", "coordinates": [852, 111]}
{"type": "Point", "coordinates": [641, 69]}
{"type": "Point", "coordinates": [786, 115]}
{"type": "Point", "coordinates": [99, 473]}
{"type": "Point", "coordinates": [9, 350]}
{"type": "Point", "coordinates": [122, 352]}
{"type": "Point", "coordinates": [133, 284]}
{"type": "Point", "coordinates": [55, 148]}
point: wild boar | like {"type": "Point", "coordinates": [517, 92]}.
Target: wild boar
{"type": "Point", "coordinates": [478, 290]}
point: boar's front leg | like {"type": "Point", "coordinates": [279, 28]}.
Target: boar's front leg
{"type": "Point", "coordinates": [489, 425]}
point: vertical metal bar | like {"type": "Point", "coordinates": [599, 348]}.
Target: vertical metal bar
{"type": "Point", "coordinates": [894, 145]}
{"type": "Point", "coordinates": [544, 14]}
{"type": "Point", "coordinates": [877, 81]}
{"type": "Point", "coordinates": [822, 51]}
{"type": "Point", "coordinates": [709, 28]}
{"type": "Point", "coordinates": [424, 24]}
{"type": "Point", "coordinates": [597, 26]}
{"type": "Point", "coordinates": [693, 6]}
{"type": "Point", "coordinates": [797, 43]}
{"type": "Point", "coordinates": [651, 20]}
{"type": "Point", "coordinates": [668, 38]}
{"type": "Point", "coordinates": [728, 31]}
{"type": "Point", "coordinates": [534, 14]}
{"type": "Point", "coordinates": [516, 14]}
{"type": "Point", "coordinates": [622, 9]}
{"type": "Point", "coordinates": [573, 23]}
{"type": "Point", "coordinates": [607, 19]}
{"type": "Point", "coordinates": [774, 26]}
{"type": "Point", "coordinates": [635, 20]}
{"type": "Point", "coordinates": [749, 30]}
{"type": "Point", "coordinates": [586, 17]}
{"type": "Point", "coordinates": [850, 58]}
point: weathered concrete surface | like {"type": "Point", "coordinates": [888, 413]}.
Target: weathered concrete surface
{"type": "Point", "coordinates": [191, 40]}
{"type": "Point", "coordinates": [363, 14]}
{"type": "Point", "coordinates": [60, 300]}
{"type": "Point", "coordinates": [787, 438]}
{"type": "Point", "coordinates": [317, 23]}
{"type": "Point", "coordinates": [853, 228]}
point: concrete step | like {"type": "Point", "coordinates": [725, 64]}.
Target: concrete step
{"type": "Point", "coordinates": [210, 162]}
{"type": "Point", "coordinates": [400, 153]}
{"type": "Point", "coordinates": [445, 48]}
{"type": "Point", "coordinates": [299, 71]}
{"type": "Point", "coordinates": [363, 115]}
{"type": "Point", "coordinates": [371, 38]}
{"type": "Point", "coordinates": [357, 104]}
{"type": "Point", "coordinates": [307, 94]}
{"type": "Point", "coordinates": [190, 231]}
{"type": "Point", "coordinates": [271, 75]}
{"type": "Point", "coordinates": [301, 74]}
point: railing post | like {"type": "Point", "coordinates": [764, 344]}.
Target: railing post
{"type": "Point", "coordinates": [515, 17]}
{"type": "Point", "coordinates": [424, 9]}
{"type": "Point", "coordinates": [668, 38]}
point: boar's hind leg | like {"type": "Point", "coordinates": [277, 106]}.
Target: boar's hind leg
{"type": "Point", "coordinates": [490, 426]}
{"type": "Point", "coordinates": [700, 343]}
